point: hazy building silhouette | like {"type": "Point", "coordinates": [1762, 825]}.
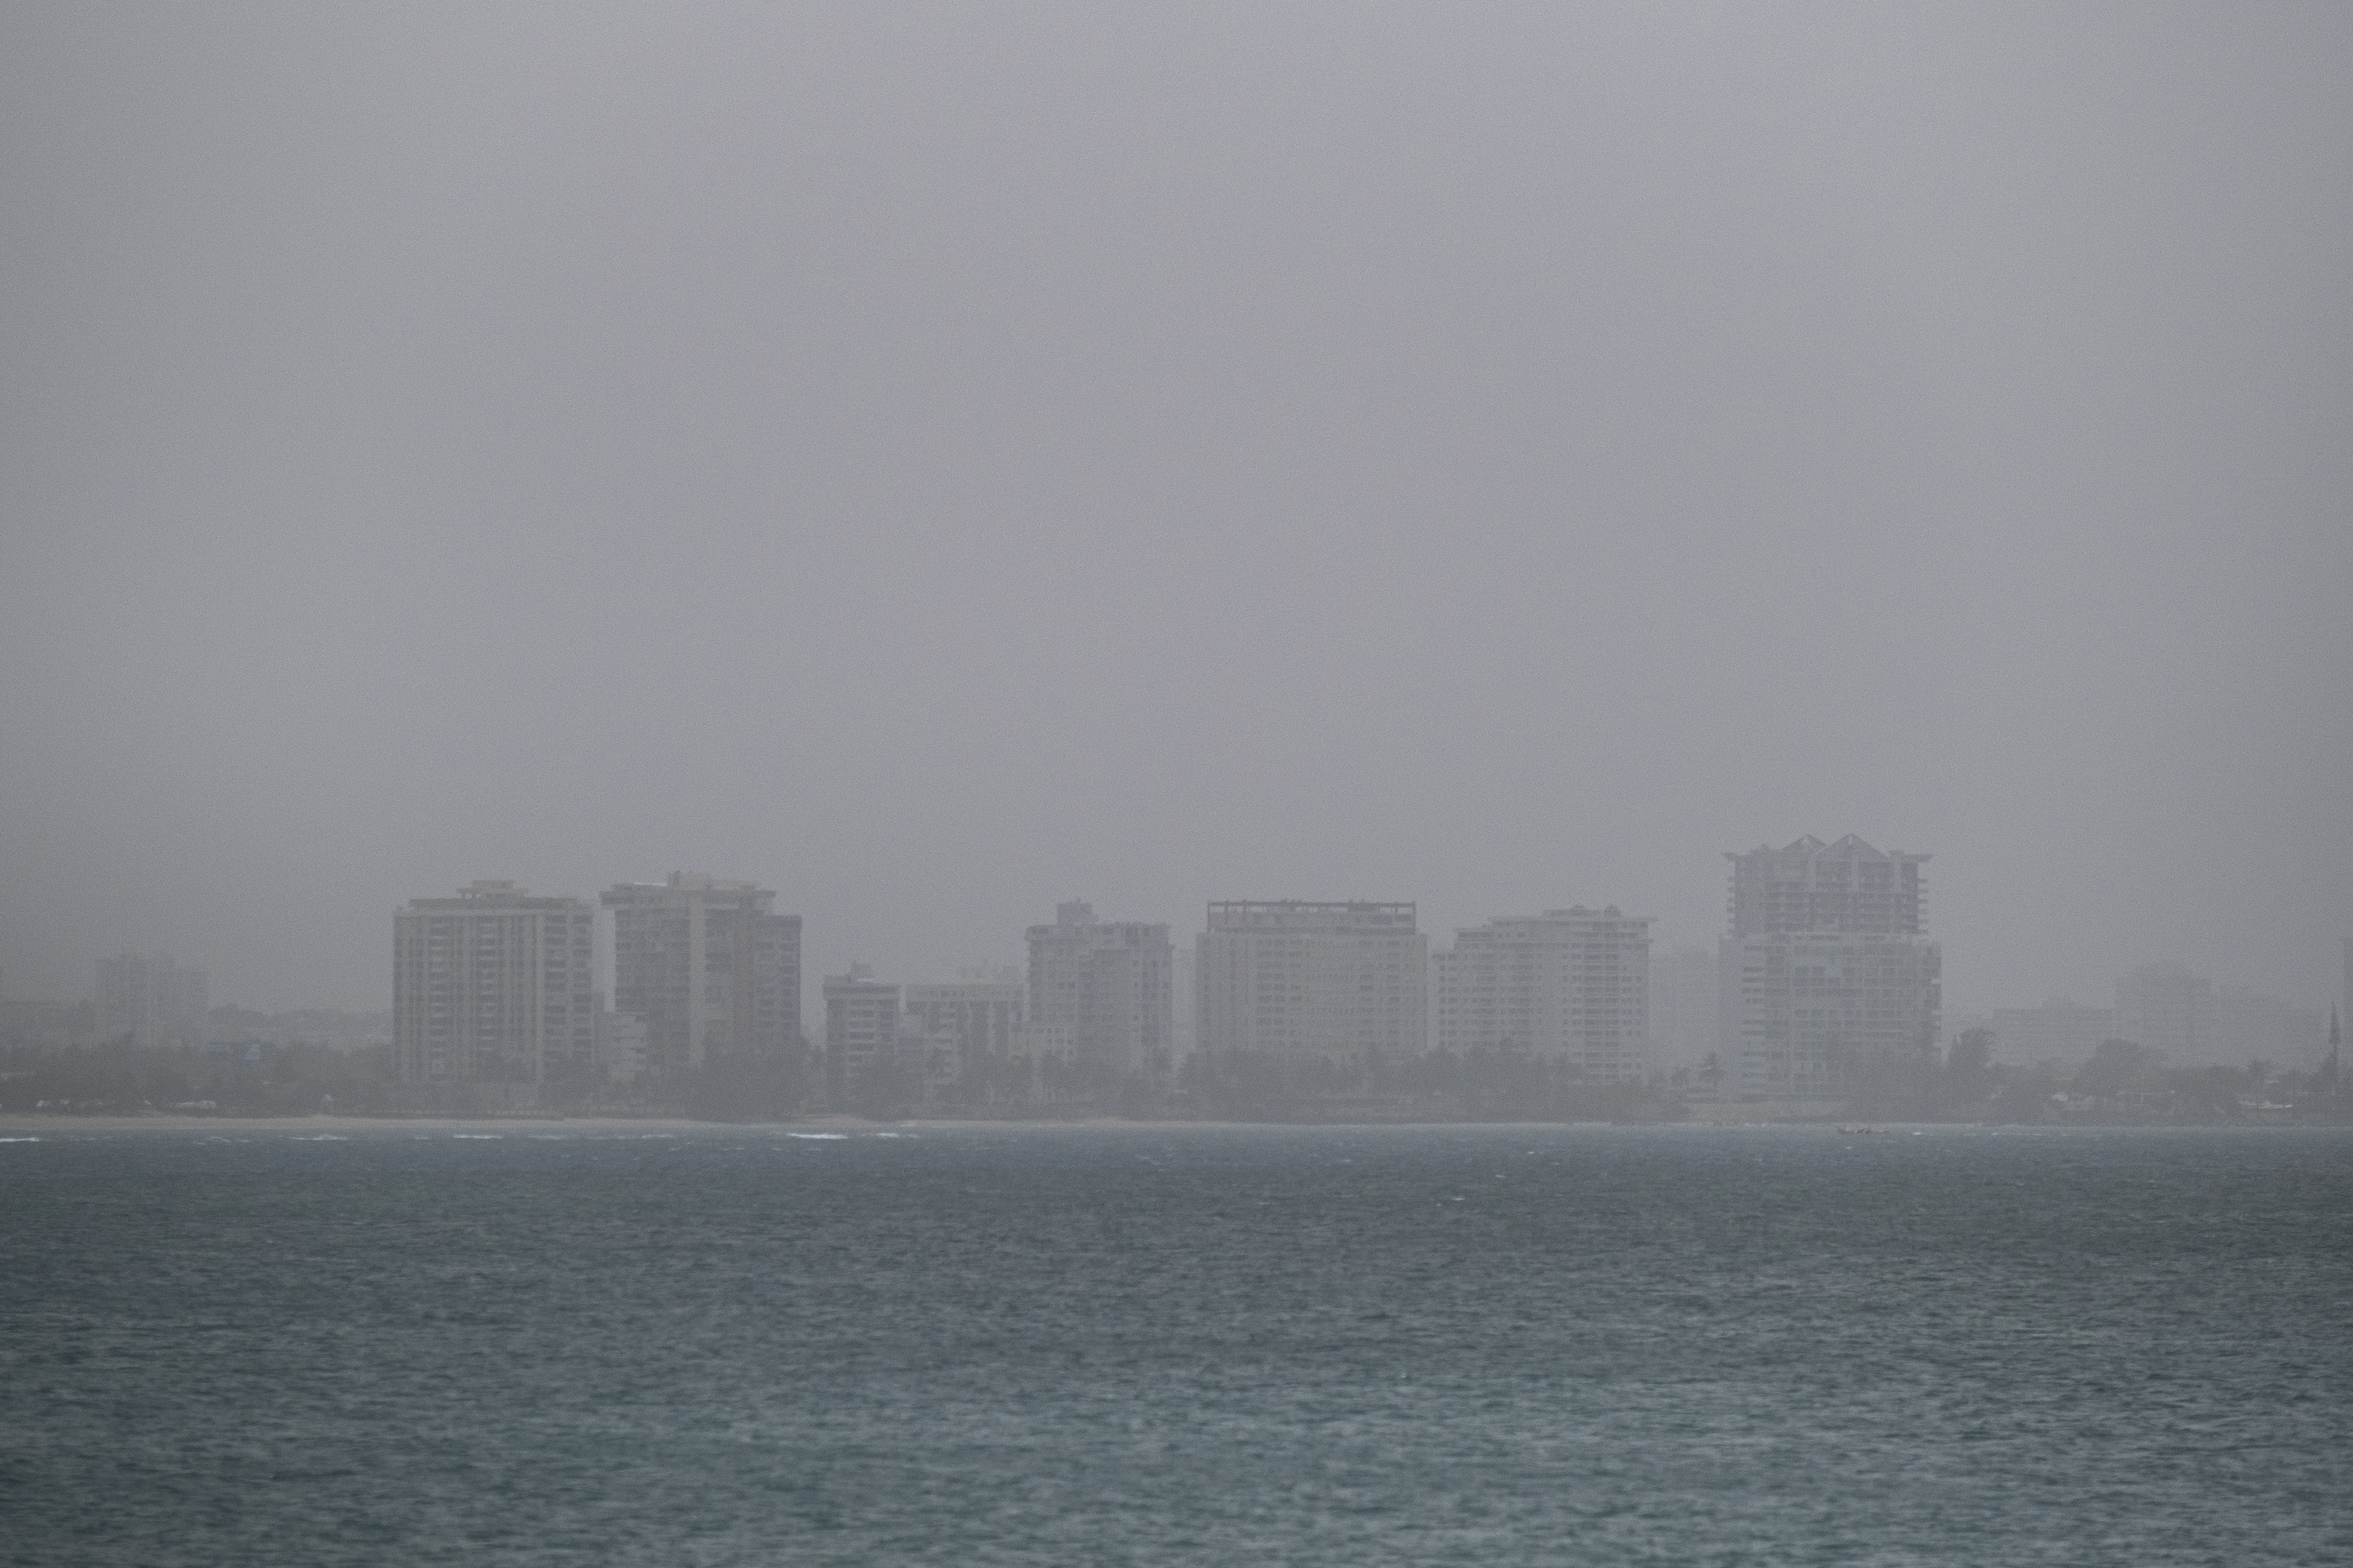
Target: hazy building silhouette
{"type": "Point", "coordinates": [1297, 980]}
{"type": "Point", "coordinates": [2169, 1009]}
{"type": "Point", "coordinates": [621, 1046]}
{"type": "Point", "coordinates": [1568, 985]}
{"type": "Point", "coordinates": [1826, 972]}
{"type": "Point", "coordinates": [148, 1002]}
{"type": "Point", "coordinates": [2253, 1025]}
{"type": "Point", "coordinates": [861, 1022]}
{"type": "Point", "coordinates": [709, 966]}
{"type": "Point", "coordinates": [1683, 1001]}
{"type": "Point", "coordinates": [1108, 983]}
{"type": "Point", "coordinates": [987, 1015]}
{"type": "Point", "coordinates": [492, 987]}
{"type": "Point", "coordinates": [2061, 1032]}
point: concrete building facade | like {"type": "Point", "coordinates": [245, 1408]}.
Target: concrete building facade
{"type": "Point", "coordinates": [1300, 981]}
{"type": "Point", "coordinates": [493, 985]}
{"type": "Point", "coordinates": [1568, 986]}
{"type": "Point", "coordinates": [1826, 972]}
{"type": "Point", "coordinates": [708, 966]}
{"type": "Point", "coordinates": [1109, 982]}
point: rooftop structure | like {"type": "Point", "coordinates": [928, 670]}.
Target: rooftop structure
{"type": "Point", "coordinates": [1809, 886]}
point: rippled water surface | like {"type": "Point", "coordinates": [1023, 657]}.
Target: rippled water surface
{"type": "Point", "coordinates": [1487, 1346]}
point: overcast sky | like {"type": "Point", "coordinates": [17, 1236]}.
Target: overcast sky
{"type": "Point", "coordinates": [938, 462]}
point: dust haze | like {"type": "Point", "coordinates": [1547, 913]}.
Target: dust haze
{"type": "Point", "coordinates": [938, 463]}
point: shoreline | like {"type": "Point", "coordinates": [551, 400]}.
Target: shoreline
{"type": "Point", "coordinates": [35, 1126]}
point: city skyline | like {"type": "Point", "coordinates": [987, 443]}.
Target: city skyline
{"type": "Point", "coordinates": [2331, 988]}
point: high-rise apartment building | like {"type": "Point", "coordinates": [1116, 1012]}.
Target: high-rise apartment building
{"type": "Point", "coordinates": [2166, 1007]}
{"type": "Point", "coordinates": [709, 966]}
{"type": "Point", "coordinates": [1301, 981]}
{"type": "Point", "coordinates": [1568, 986]}
{"type": "Point", "coordinates": [148, 1002]}
{"type": "Point", "coordinates": [492, 987]}
{"type": "Point", "coordinates": [1109, 983]}
{"type": "Point", "coordinates": [1826, 972]}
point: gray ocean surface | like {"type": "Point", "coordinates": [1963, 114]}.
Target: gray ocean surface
{"type": "Point", "coordinates": [1213, 1345]}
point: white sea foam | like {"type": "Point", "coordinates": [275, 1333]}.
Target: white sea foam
{"type": "Point", "coordinates": [828, 1136]}
{"type": "Point", "coordinates": [19, 1139]}
{"type": "Point", "coordinates": [480, 1137]}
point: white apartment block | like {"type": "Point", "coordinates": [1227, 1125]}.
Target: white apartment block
{"type": "Point", "coordinates": [1567, 987]}
{"type": "Point", "coordinates": [709, 966]}
{"type": "Point", "coordinates": [1826, 972]}
{"type": "Point", "coordinates": [491, 987]}
{"type": "Point", "coordinates": [1298, 981]}
{"type": "Point", "coordinates": [1109, 982]}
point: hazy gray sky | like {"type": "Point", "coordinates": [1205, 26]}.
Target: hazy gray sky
{"type": "Point", "coordinates": [938, 462]}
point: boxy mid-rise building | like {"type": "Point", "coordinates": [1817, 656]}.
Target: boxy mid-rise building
{"type": "Point", "coordinates": [709, 966]}
{"type": "Point", "coordinates": [1570, 986]}
{"type": "Point", "coordinates": [492, 987]}
{"type": "Point", "coordinates": [1299, 980]}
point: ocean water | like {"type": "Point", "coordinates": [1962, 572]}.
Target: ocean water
{"type": "Point", "coordinates": [1258, 1345]}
